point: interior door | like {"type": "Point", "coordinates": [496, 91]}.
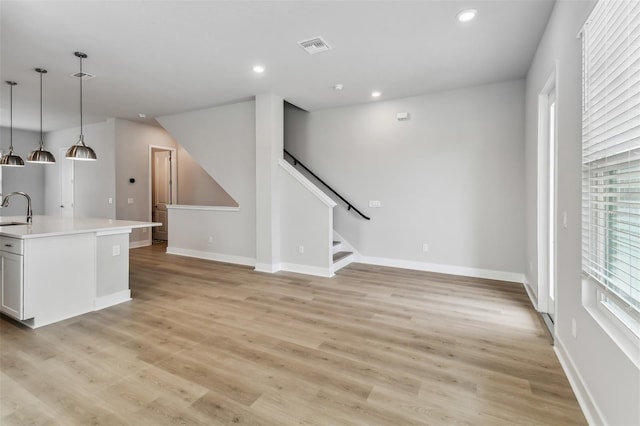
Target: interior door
{"type": "Point", "coordinates": [161, 192]}
{"type": "Point", "coordinates": [66, 176]}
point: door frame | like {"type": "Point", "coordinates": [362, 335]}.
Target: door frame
{"type": "Point", "coordinates": [174, 180]}
{"type": "Point", "coordinates": [544, 215]}
{"type": "Point", "coordinates": [72, 164]}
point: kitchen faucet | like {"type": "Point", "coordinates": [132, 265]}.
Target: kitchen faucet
{"type": "Point", "coordinates": [5, 203]}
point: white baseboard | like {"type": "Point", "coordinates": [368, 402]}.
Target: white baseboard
{"type": "Point", "coordinates": [112, 299]}
{"type": "Point", "coordinates": [305, 269]}
{"type": "Point", "coordinates": [138, 244]}
{"type": "Point", "coordinates": [269, 268]}
{"type": "Point", "coordinates": [585, 400]}
{"type": "Point", "coordinates": [219, 257]}
{"type": "Point", "coordinates": [532, 295]}
{"type": "Point", "coordinates": [442, 269]}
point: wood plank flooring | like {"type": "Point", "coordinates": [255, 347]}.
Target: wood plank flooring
{"type": "Point", "coordinates": [206, 343]}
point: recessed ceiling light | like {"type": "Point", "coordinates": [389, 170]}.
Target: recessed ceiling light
{"type": "Point", "coordinates": [338, 86]}
{"type": "Point", "coordinates": [142, 115]}
{"type": "Point", "coordinates": [376, 94]}
{"type": "Point", "coordinates": [258, 69]}
{"type": "Point", "coordinates": [467, 15]}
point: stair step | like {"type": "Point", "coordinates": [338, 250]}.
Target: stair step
{"type": "Point", "coordinates": [341, 255]}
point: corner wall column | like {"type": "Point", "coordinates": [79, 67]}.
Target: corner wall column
{"type": "Point", "coordinates": [269, 146]}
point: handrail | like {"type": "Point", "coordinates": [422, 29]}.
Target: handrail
{"type": "Point", "coordinates": [349, 205]}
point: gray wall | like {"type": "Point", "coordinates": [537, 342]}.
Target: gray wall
{"type": "Point", "coordinates": [195, 186]}
{"type": "Point", "coordinates": [305, 221]}
{"type": "Point", "coordinates": [29, 179]}
{"type": "Point", "coordinates": [451, 176]}
{"type": "Point", "coordinates": [222, 140]}
{"type": "Point", "coordinates": [94, 180]}
{"type": "Point", "coordinates": [606, 377]}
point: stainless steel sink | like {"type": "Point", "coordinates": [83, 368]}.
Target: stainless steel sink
{"type": "Point", "coordinates": [12, 223]}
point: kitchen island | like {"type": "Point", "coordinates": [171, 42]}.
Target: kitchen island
{"type": "Point", "coordinates": [59, 267]}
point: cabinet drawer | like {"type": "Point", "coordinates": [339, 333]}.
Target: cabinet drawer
{"type": "Point", "coordinates": [12, 245]}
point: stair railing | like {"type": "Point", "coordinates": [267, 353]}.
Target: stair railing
{"type": "Point", "coordinates": [349, 205]}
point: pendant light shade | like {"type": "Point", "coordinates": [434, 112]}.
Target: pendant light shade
{"type": "Point", "coordinates": [80, 151]}
{"type": "Point", "coordinates": [10, 159]}
{"type": "Point", "coordinates": [40, 155]}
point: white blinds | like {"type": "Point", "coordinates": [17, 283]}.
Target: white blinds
{"type": "Point", "coordinates": [611, 149]}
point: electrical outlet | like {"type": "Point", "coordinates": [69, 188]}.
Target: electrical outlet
{"type": "Point", "coordinates": [210, 239]}
{"type": "Point", "coordinates": [129, 200]}
{"type": "Point", "coordinates": [116, 250]}
{"type": "Point", "coordinates": [110, 200]}
{"type": "Point", "coordinates": [144, 230]}
{"type": "Point", "coordinates": [375, 203]}
{"type": "Point", "coordinates": [425, 247]}
{"type": "Point", "coordinates": [574, 328]}
{"type": "Point", "coordinates": [564, 220]}
{"type": "Point", "coordinates": [301, 249]}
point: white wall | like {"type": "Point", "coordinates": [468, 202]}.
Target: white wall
{"type": "Point", "coordinates": [29, 179]}
{"type": "Point", "coordinates": [306, 220]}
{"type": "Point", "coordinates": [606, 380]}
{"type": "Point", "coordinates": [94, 180]}
{"type": "Point", "coordinates": [269, 144]}
{"type": "Point", "coordinates": [222, 141]}
{"type": "Point", "coordinates": [190, 230]}
{"type": "Point", "coordinates": [451, 176]}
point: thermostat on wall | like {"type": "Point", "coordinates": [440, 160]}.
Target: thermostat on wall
{"type": "Point", "coordinates": [402, 116]}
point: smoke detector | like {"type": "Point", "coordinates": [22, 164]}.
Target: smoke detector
{"type": "Point", "coordinates": [83, 76]}
{"type": "Point", "coordinates": [314, 45]}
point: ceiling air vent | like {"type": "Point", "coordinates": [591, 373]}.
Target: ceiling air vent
{"type": "Point", "coordinates": [314, 45]}
{"type": "Point", "coordinates": [84, 76]}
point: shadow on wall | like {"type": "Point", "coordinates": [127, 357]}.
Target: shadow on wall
{"type": "Point", "coordinates": [196, 187]}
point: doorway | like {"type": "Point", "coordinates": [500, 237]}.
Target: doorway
{"type": "Point", "coordinates": [162, 188]}
{"type": "Point", "coordinates": [547, 211]}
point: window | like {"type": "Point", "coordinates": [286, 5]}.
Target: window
{"type": "Point", "coordinates": [611, 157]}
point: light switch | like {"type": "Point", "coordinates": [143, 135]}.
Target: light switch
{"type": "Point", "coordinates": [110, 200]}
{"type": "Point", "coordinates": [564, 220]}
{"type": "Point", "coordinates": [374, 203]}
{"type": "Point", "coordinates": [129, 200]}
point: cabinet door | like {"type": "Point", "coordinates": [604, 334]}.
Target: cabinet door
{"type": "Point", "coordinates": [12, 288]}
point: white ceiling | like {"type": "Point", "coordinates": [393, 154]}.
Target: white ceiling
{"type": "Point", "coordinates": [164, 57]}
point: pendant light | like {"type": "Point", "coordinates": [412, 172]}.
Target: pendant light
{"type": "Point", "coordinates": [40, 155]}
{"type": "Point", "coordinates": [10, 159]}
{"type": "Point", "coordinates": [80, 151]}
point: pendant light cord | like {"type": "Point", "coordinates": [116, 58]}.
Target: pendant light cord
{"type": "Point", "coordinates": [81, 77]}
{"type": "Point", "coordinates": [41, 142]}
{"type": "Point", "coordinates": [10, 118]}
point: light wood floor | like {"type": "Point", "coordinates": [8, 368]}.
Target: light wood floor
{"type": "Point", "coordinates": [210, 343]}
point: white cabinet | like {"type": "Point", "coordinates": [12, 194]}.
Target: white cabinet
{"type": "Point", "coordinates": [11, 278]}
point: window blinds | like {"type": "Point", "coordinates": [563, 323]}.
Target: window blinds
{"type": "Point", "coordinates": [611, 149]}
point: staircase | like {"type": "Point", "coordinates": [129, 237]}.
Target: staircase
{"type": "Point", "coordinates": [341, 258]}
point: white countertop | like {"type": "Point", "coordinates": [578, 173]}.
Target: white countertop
{"type": "Point", "coordinates": [47, 226]}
